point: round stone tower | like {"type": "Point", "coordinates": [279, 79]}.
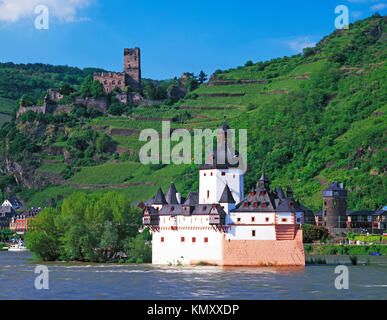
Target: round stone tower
{"type": "Point", "coordinates": [335, 206]}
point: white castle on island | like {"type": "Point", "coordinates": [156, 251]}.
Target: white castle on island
{"type": "Point", "coordinates": [219, 225]}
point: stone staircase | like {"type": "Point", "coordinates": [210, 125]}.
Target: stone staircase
{"type": "Point", "coordinates": [285, 231]}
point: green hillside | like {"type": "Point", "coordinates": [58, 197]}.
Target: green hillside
{"type": "Point", "coordinates": [312, 118]}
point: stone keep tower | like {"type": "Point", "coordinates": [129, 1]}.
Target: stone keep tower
{"type": "Point", "coordinates": [335, 206]}
{"type": "Point", "coordinates": [132, 68]}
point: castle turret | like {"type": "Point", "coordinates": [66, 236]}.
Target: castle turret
{"type": "Point", "coordinates": [335, 206]}
{"type": "Point", "coordinates": [220, 170]}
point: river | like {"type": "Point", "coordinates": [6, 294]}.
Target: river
{"type": "Point", "coordinates": [122, 281]}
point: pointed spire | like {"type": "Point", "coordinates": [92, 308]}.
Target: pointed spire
{"type": "Point", "coordinates": [171, 194]}
{"type": "Point", "coordinates": [280, 193]}
{"type": "Point", "coordinates": [263, 176]}
{"type": "Point", "coordinates": [160, 198]}
{"type": "Point", "coordinates": [226, 196]}
{"type": "Point", "coordinates": [263, 181]}
{"type": "Point", "coordinates": [192, 199]}
{"type": "Point", "coordinates": [289, 192]}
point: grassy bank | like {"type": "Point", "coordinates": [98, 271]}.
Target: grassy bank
{"type": "Point", "coordinates": [328, 249]}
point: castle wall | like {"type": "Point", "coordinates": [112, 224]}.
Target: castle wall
{"type": "Point", "coordinates": [263, 252]}
{"type": "Point", "coordinates": [173, 250]}
{"type": "Point", "coordinates": [110, 80]}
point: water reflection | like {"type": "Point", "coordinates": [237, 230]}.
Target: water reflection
{"type": "Point", "coordinates": [122, 281]}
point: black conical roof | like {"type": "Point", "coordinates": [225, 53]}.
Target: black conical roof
{"type": "Point", "coordinates": [160, 198]}
{"type": "Point", "coordinates": [171, 194]}
{"type": "Point", "coordinates": [226, 196]}
{"type": "Point", "coordinates": [280, 193]}
{"type": "Point", "coordinates": [192, 199]}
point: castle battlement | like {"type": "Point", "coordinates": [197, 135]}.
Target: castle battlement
{"type": "Point", "coordinates": [108, 74]}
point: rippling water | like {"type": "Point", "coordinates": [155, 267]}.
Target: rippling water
{"type": "Point", "coordinates": [120, 281]}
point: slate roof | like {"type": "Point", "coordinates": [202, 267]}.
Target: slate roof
{"type": "Point", "coordinates": [263, 199]}
{"type": "Point", "coordinates": [192, 199]}
{"type": "Point", "coordinates": [149, 202]}
{"type": "Point", "coordinates": [280, 193]}
{"type": "Point", "coordinates": [224, 161]}
{"type": "Point", "coordinates": [228, 157]}
{"type": "Point", "coordinates": [226, 196]}
{"type": "Point", "coordinates": [186, 210]}
{"type": "Point", "coordinates": [333, 190]}
{"type": "Point", "coordinates": [159, 198]}
{"type": "Point", "coordinates": [171, 194]}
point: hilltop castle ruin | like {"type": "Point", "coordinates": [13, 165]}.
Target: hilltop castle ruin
{"type": "Point", "coordinates": [130, 77]}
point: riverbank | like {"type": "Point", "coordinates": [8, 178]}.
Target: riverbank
{"type": "Point", "coordinates": [346, 250]}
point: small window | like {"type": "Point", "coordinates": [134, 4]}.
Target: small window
{"type": "Point", "coordinates": [208, 194]}
{"type": "Point", "coordinates": [193, 239]}
{"type": "Point", "coordinates": [172, 208]}
{"type": "Point", "coordinates": [182, 239]}
{"type": "Point", "coordinates": [253, 233]}
{"type": "Point", "coordinates": [267, 219]}
{"type": "Point", "coordinates": [162, 239]}
{"type": "Point", "coordinates": [233, 176]}
{"type": "Point", "coordinates": [246, 204]}
{"type": "Point", "coordinates": [298, 220]}
{"type": "Point", "coordinates": [211, 174]}
{"type": "Point", "coordinates": [262, 193]}
{"type": "Point", "coordinates": [284, 219]}
{"type": "Point", "coordinates": [204, 208]}
{"type": "Point", "coordinates": [205, 239]}
{"type": "Point", "coordinates": [255, 204]}
{"type": "Point", "coordinates": [252, 219]}
{"type": "Point", "coordinates": [238, 219]}
{"type": "Point", "coordinates": [223, 173]}
{"type": "Point", "coordinates": [204, 174]}
{"type": "Point", "coordinates": [264, 204]}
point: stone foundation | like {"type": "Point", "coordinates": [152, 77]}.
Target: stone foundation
{"type": "Point", "coordinates": [264, 252]}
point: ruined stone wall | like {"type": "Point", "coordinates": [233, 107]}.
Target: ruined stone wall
{"type": "Point", "coordinates": [22, 110]}
{"type": "Point", "coordinates": [54, 95]}
{"type": "Point", "coordinates": [264, 252]}
{"type": "Point", "coordinates": [132, 68]}
{"type": "Point", "coordinates": [110, 80]}
{"type": "Point", "coordinates": [97, 104]}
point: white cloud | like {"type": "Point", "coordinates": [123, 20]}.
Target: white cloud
{"type": "Point", "coordinates": [64, 10]}
{"type": "Point", "coordinates": [379, 6]}
{"type": "Point", "coordinates": [300, 43]}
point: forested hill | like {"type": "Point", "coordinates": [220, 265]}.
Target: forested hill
{"type": "Point", "coordinates": [34, 80]}
{"type": "Point", "coordinates": [312, 118]}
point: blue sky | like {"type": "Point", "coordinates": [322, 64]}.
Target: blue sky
{"type": "Point", "coordinates": [174, 36]}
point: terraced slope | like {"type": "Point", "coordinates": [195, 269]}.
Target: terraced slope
{"type": "Point", "coordinates": [311, 119]}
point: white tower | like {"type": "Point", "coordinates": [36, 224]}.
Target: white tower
{"type": "Point", "coordinates": [218, 172]}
